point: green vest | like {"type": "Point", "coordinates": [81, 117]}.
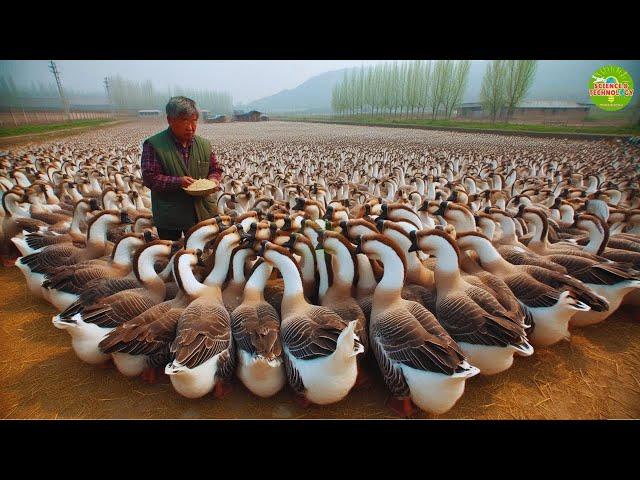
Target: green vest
{"type": "Point", "coordinates": [178, 210]}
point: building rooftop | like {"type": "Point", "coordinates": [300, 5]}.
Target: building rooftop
{"type": "Point", "coordinates": [536, 104]}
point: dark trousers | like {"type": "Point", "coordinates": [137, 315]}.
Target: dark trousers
{"type": "Point", "coordinates": [166, 234]}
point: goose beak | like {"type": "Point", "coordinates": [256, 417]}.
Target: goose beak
{"type": "Point", "coordinates": [125, 218]}
{"type": "Point", "coordinates": [320, 245]}
{"type": "Point", "coordinates": [199, 257]}
{"type": "Point", "coordinates": [148, 236]}
{"type": "Point", "coordinates": [290, 243]}
{"type": "Point", "coordinates": [175, 246]}
{"type": "Point", "coordinates": [414, 241]}
{"type": "Point", "coordinates": [359, 245]}
{"type": "Point", "coordinates": [424, 207]}
{"type": "Point", "coordinates": [263, 248]}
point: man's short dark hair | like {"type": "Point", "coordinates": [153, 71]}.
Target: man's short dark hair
{"type": "Point", "coordinates": [181, 107]}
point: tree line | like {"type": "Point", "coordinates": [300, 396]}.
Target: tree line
{"type": "Point", "coordinates": [504, 85]}
{"type": "Point", "coordinates": [127, 94]}
{"type": "Point", "coordinates": [435, 87]}
{"type": "Point", "coordinates": [408, 89]}
{"type": "Point", "coordinates": [124, 95]}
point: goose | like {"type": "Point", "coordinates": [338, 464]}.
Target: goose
{"type": "Point", "coordinates": [598, 241]}
{"type": "Point", "coordinates": [420, 362]}
{"type": "Point", "coordinates": [88, 328]}
{"type": "Point", "coordinates": [232, 293]}
{"type": "Point", "coordinates": [66, 284]}
{"type": "Point", "coordinates": [256, 331]}
{"type": "Point", "coordinates": [36, 241]}
{"type": "Point", "coordinates": [203, 351]}
{"type": "Point", "coordinates": [319, 347]}
{"type": "Point", "coordinates": [488, 334]}
{"type": "Point", "coordinates": [141, 346]}
{"type": "Point", "coordinates": [36, 265]}
{"type": "Point", "coordinates": [550, 297]}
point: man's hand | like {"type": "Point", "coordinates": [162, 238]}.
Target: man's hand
{"type": "Point", "coordinates": [186, 181]}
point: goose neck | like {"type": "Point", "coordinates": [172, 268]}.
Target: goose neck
{"type": "Point", "coordinates": [222, 260]}
{"type": "Point", "coordinates": [390, 285]}
{"type": "Point", "coordinates": [323, 284]}
{"type": "Point", "coordinates": [293, 289]}
{"type": "Point", "coordinates": [253, 290]}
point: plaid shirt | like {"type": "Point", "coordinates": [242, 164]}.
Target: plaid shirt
{"type": "Point", "coordinates": [153, 175]}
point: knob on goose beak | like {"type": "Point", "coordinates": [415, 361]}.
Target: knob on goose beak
{"type": "Point", "coordinates": [329, 213]}
{"type": "Point", "coordinates": [263, 248]}
{"type": "Point", "coordinates": [520, 211]}
{"type": "Point", "coordinates": [359, 244]}
{"type": "Point", "coordinates": [414, 241]}
{"type": "Point", "coordinates": [93, 205]}
{"type": "Point", "coordinates": [125, 218]}
{"type": "Point", "coordinates": [175, 246]}
{"type": "Point", "coordinates": [289, 244]}
{"type": "Point", "coordinates": [385, 211]}
{"type": "Point", "coordinates": [198, 254]}
{"type": "Point", "coordinates": [441, 209]}
{"type": "Point", "coordinates": [148, 236]}
{"type": "Point", "coordinates": [380, 224]}
{"type": "Point", "coordinates": [287, 223]}
{"type": "Point", "coordinates": [576, 219]}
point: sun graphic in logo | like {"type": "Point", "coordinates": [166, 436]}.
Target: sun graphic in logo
{"type": "Point", "coordinates": [611, 87]}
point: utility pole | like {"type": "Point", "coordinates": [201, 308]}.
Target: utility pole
{"type": "Point", "coordinates": [111, 105]}
{"type": "Point", "coordinates": [54, 69]}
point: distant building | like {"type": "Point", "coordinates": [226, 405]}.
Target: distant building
{"type": "Point", "coordinates": [149, 113]}
{"type": "Point", "coordinates": [252, 116]}
{"type": "Point", "coordinates": [534, 110]}
{"type": "Point", "coordinates": [216, 118]}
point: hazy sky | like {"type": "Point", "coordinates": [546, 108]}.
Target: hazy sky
{"type": "Point", "coordinates": [245, 80]}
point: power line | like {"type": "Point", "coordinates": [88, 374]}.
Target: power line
{"type": "Point", "coordinates": [54, 69]}
{"type": "Point", "coordinates": [110, 100]}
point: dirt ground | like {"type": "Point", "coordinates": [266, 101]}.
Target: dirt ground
{"type": "Point", "coordinates": [596, 376]}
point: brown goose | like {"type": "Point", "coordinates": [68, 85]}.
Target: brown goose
{"type": "Point", "coordinates": [35, 266]}
{"type": "Point", "coordinates": [487, 333]}
{"type": "Point", "coordinates": [88, 328]}
{"type": "Point", "coordinates": [203, 351]}
{"type": "Point", "coordinates": [141, 346]}
{"type": "Point", "coordinates": [319, 347]}
{"type": "Point", "coordinates": [550, 297]}
{"type": "Point", "coordinates": [256, 330]}
{"type": "Point", "coordinates": [419, 360]}
{"type": "Point", "coordinates": [65, 284]}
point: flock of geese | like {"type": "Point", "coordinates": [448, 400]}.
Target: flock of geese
{"type": "Point", "coordinates": [442, 262]}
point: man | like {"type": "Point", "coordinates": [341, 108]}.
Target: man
{"type": "Point", "coordinates": [172, 160]}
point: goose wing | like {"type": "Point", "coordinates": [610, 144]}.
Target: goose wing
{"type": "Point", "coordinates": [561, 282]}
{"type": "Point", "coordinates": [589, 271]}
{"type": "Point", "coordinates": [51, 218]}
{"type": "Point", "coordinates": [51, 257]}
{"type": "Point", "coordinates": [149, 333]}
{"type": "Point", "coordinates": [118, 308]}
{"type": "Point", "coordinates": [531, 292]}
{"type": "Point", "coordinates": [519, 256]}
{"type": "Point", "coordinates": [38, 241]}
{"type": "Point", "coordinates": [256, 329]}
{"type": "Point", "coordinates": [464, 315]}
{"type": "Point", "coordinates": [505, 297]}
{"type": "Point", "coordinates": [71, 280]}
{"type": "Point", "coordinates": [30, 224]}
{"type": "Point", "coordinates": [399, 337]}
{"type": "Point", "coordinates": [313, 334]}
{"type": "Point", "coordinates": [98, 289]}
{"type": "Point", "coordinates": [203, 331]}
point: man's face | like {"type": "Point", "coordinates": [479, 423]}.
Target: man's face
{"type": "Point", "coordinates": [184, 128]}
